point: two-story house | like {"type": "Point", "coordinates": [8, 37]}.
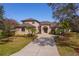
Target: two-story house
{"type": "Point", "coordinates": [41, 27]}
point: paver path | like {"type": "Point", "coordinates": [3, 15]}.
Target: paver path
{"type": "Point", "coordinates": [35, 49]}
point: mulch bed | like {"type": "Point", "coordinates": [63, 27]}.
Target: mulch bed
{"type": "Point", "coordinates": [77, 50]}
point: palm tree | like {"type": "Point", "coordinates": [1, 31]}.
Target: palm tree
{"type": "Point", "coordinates": [31, 30]}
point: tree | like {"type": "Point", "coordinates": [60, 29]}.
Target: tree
{"type": "Point", "coordinates": [1, 12]}
{"type": "Point", "coordinates": [9, 27]}
{"type": "Point", "coordinates": [1, 17]}
{"type": "Point", "coordinates": [31, 30]}
{"type": "Point", "coordinates": [66, 11]}
{"type": "Point", "coordinates": [75, 24]}
{"type": "Point", "coordinates": [65, 24]}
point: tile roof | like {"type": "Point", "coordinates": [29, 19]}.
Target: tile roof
{"type": "Point", "coordinates": [30, 19]}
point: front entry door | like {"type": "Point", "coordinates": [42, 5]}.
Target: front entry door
{"type": "Point", "coordinates": [45, 29]}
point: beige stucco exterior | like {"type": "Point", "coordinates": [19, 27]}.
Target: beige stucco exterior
{"type": "Point", "coordinates": [36, 24]}
{"type": "Point", "coordinates": [20, 32]}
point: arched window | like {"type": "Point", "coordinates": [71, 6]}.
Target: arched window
{"type": "Point", "coordinates": [23, 29]}
{"type": "Point", "coordinates": [33, 22]}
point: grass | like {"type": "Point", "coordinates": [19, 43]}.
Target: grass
{"type": "Point", "coordinates": [68, 50]}
{"type": "Point", "coordinates": [11, 47]}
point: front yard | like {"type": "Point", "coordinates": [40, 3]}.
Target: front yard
{"type": "Point", "coordinates": [69, 47]}
{"type": "Point", "coordinates": [66, 51]}
{"type": "Point", "coordinates": [11, 47]}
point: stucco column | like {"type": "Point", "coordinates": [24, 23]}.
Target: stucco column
{"type": "Point", "coordinates": [49, 29]}
{"type": "Point", "coordinates": [42, 29]}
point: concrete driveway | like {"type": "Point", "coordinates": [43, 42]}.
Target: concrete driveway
{"type": "Point", "coordinates": [40, 47]}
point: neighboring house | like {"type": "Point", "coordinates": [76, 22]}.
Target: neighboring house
{"type": "Point", "coordinates": [41, 27]}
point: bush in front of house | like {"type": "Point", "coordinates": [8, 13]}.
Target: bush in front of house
{"type": "Point", "coordinates": [32, 36]}
{"type": "Point", "coordinates": [5, 36]}
{"type": "Point", "coordinates": [59, 31]}
{"type": "Point", "coordinates": [69, 34]}
{"type": "Point", "coordinates": [52, 32]}
{"type": "Point", "coordinates": [20, 35]}
{"type": "Point", "coordinates": [29, 35]}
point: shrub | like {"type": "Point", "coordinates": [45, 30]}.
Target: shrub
{"type": "Point", "coordinates": [5, 36]}
{"type": "Point", "coordinates": [70, 34]}
{"type": "Point", "coordinates": [61, 40]}
{"type": "Point", "coordinates": [56, 37]}
{"type": "Point", "coordinates": [52, 32]}
{"type": "Point", "coordinates": [31, 36]}
{"type": "Point", "coordinates": [8, 33]}
{"type": "Point", "coordinates": [59, 31]}
{"type": "Point", "coordinates": [20, 35]}
{"type": "Point", "coordinates": [5, 40]}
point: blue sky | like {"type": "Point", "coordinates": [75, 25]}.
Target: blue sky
{"type": "Point", "coordinates": [21, 11]}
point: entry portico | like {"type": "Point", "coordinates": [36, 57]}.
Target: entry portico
{"type": "Point", "coordinates": [45, 28]}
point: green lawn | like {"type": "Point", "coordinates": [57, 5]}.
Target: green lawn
{"type": "Point", "coordinates": [14, 46]}
{"type": "Point", "coordinates": [68, 50]}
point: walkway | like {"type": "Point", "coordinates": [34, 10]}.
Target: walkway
{"type": "Point", "coordinates": [40, 47]}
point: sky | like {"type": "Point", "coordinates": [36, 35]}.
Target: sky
{"type": "Point", "coordinates": [22, 11]}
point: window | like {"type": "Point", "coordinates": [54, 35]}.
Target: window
{"type": "Point", "coordinates": [33, 22]}
{"type": "Point", "coordinates": [23, 29]}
